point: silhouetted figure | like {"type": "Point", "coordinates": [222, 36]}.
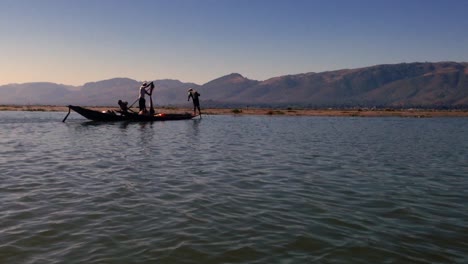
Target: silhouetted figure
{"type": "Point", "coordinates": [123, 106]}
{"type": "Point", "coordinates": [196, 103]}
{"type": "Point", "coordinates": [141, 98]}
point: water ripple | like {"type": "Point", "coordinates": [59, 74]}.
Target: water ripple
{"type": "Point", "coordinates": [233, 190]}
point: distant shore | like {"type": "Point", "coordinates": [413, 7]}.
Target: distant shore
{"type": "Point", "coordinates": [418, 113]}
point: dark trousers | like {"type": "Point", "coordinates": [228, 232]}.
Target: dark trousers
{"type": "Point", "coordinates": [142, 103]}
{"type": "Point", "coordinates": [196, 104]}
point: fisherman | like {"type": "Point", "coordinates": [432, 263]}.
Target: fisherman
{"type": "Point", "coordinates": [196, 103]}
{"type": "Point", "coordinates": [141, 98]}
{"type": "Point", "coordinates": [123, 106]}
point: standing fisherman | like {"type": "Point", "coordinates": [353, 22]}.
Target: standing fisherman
{"type": "Point", "coordinates": [196, 103]}
{"type": "Point", "coordinates": [141, 98]}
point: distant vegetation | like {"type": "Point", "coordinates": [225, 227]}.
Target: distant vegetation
{"type": "Point", "coordinates": [275, 112]}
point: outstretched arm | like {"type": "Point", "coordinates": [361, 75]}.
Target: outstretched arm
{"type": "Point", "coordinates": [151, 85]}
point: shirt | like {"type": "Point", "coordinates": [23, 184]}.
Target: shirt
{"type": "Point", "coordinates": [142, 92]}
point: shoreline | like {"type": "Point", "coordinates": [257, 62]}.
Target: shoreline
{"type": "Point", "coordinates": [417, 113]}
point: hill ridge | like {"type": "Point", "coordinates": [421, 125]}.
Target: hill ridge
{"type": "Point", "coordinates": [414, 84]}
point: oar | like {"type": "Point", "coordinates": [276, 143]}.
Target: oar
{"type": "Point", "coordinates": [69, 110]}
{"type": "Point", "coordinates": [133, 103]}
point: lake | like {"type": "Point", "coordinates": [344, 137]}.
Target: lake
{"type": "Point", "coordinates": [233, 189]}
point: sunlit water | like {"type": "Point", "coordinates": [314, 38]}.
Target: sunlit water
{"type": "Point", "coordinates": [227, 189]}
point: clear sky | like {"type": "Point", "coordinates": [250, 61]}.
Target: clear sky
{"type": "Point", "coordinates": [78, 41]}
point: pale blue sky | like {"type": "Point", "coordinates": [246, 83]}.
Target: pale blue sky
{"type": "Point", "coordinates": [77, 41]}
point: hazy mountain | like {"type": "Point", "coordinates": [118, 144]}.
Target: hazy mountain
{"type": "Point", "coordinates": [35, 93]}
{"type": "Point", "coordinates": [170, 92]}
{"type": "Point", "coordinates": [442, 84]}
{"type": "Point", "coordinates": [227, 87]}
{"type": "Point", "coordinates": [106, 92]}
{"type": "Point", "coordinates": [412, 84]}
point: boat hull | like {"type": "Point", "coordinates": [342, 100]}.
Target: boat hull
{"type": "Point", "coordinates": [131, 117]}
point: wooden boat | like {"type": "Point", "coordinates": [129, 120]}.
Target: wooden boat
{"type": "Point", "coordinates": [111, 116]}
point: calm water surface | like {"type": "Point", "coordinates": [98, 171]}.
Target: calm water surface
{"type": "Point", "coordinates": [227, 189]}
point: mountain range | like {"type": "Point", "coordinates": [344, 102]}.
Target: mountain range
{"type": "Point", "coordinates": [428, 85]}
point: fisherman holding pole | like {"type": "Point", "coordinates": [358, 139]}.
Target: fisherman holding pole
{"type": "Point", "coordinates": [141, 98]}
{"type": "Point", "coordinates": [196, 103]}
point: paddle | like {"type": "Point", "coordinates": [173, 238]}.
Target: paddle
{"type": "Point", "coordinates": [69, 110]}
{"type": "Point", "coordinates": [133, 103]}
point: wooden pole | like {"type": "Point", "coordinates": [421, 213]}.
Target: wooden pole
{"type": "Point", "coordinates": [69, 110]}
{"type": "Point", "coordinates": [151, 99]}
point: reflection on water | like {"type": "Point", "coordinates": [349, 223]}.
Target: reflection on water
{"type": "Point", "coordinates": [228, 189]}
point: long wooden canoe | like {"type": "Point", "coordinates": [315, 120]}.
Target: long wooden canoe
{"type": "Point", "coordinates": [133, 117]}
